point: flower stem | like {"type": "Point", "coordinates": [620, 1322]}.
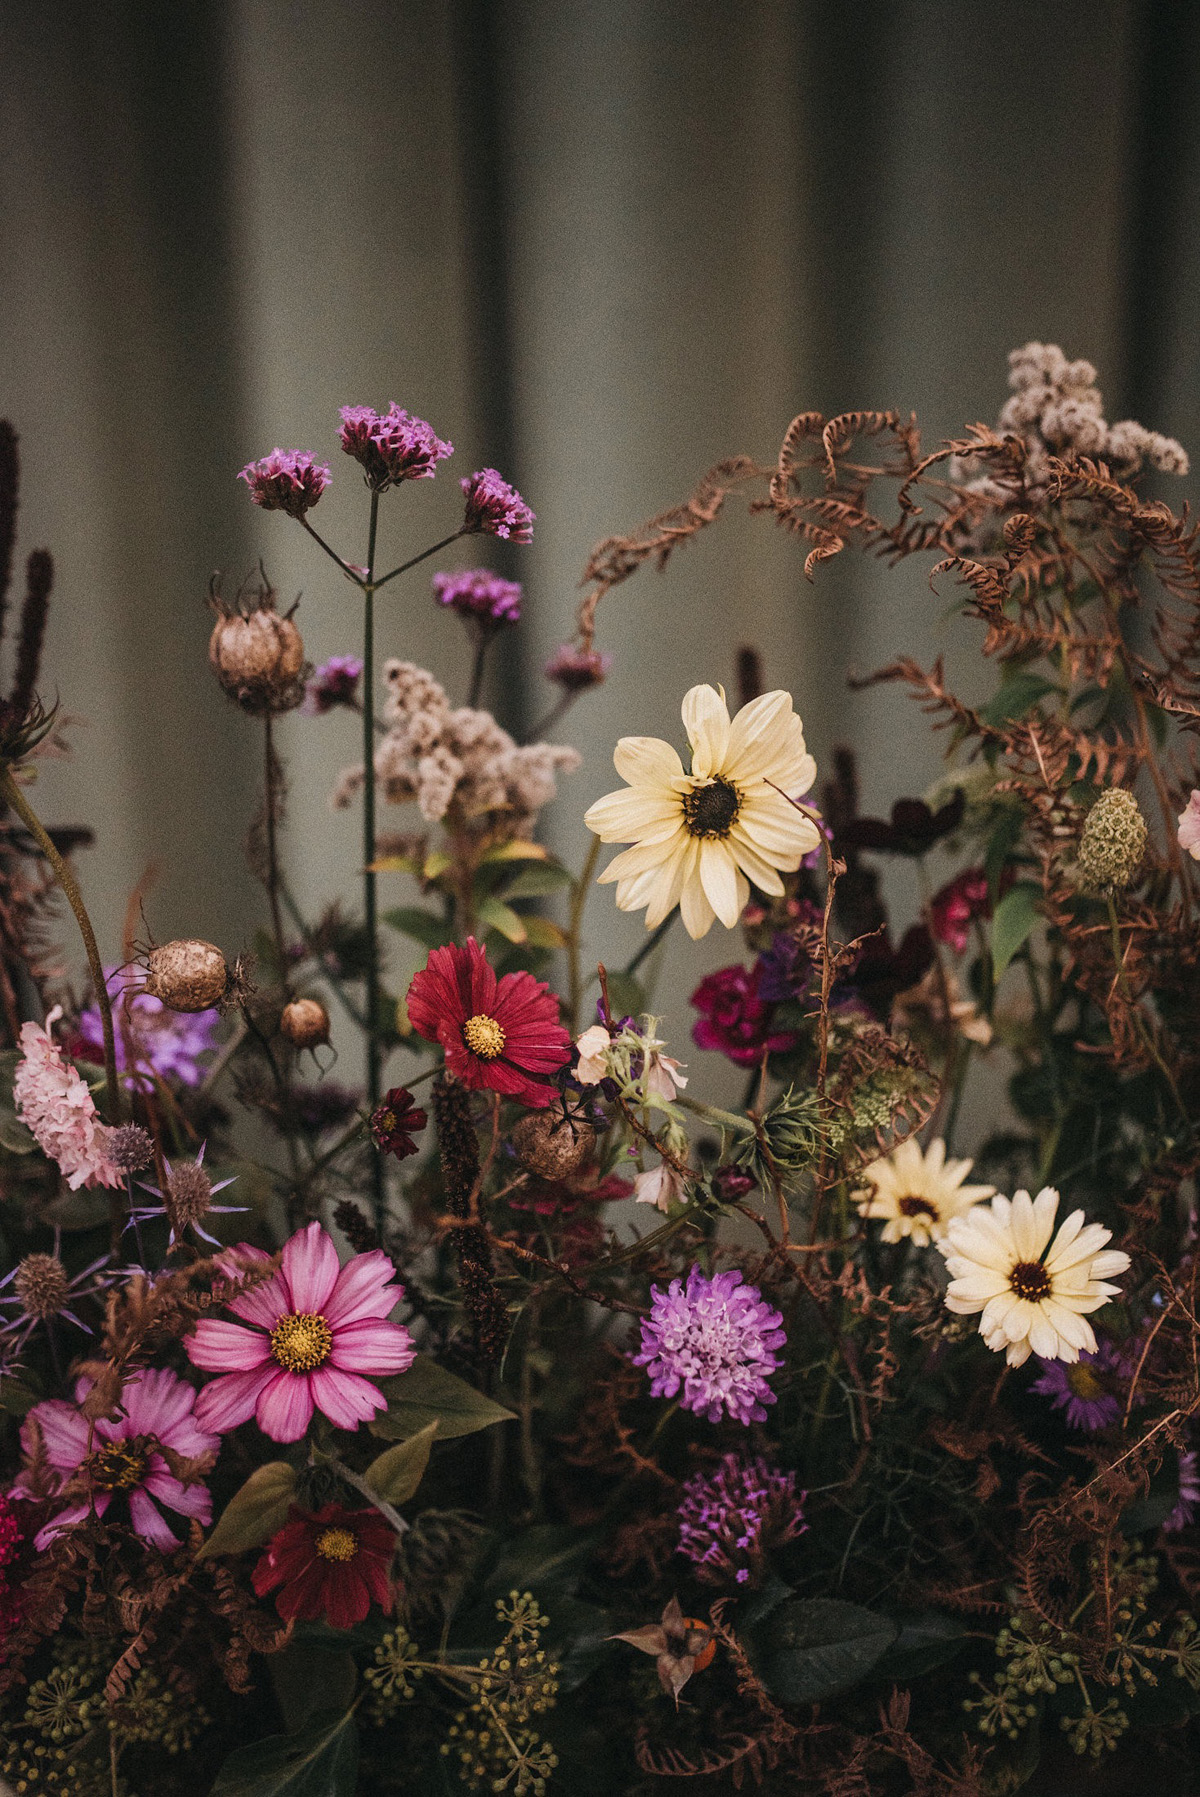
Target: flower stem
{"type": "Point", "coordinates": [271, 785]}
{"type": "Point", "coordinates": [651, 943]}
{"type": "Point", "coordinates": [477, 670]}
{"type": "Point", "coordinates": [13, 795]}
{"type": "Point", "coordinates": [423, 557]}
{"type": "Point", "coordinates": [579, 898]}
{"type": "Point", "coordinates": [370, 890]}
{"type": "Point", "coordinates": [333, 555]}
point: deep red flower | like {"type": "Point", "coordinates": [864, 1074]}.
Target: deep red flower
{"type": "Point", "coordinates": [957, 905]}
{"type": "Point", "coordinates": [735, 1020]}
{"type": "Point", "coordinates": [395, 1122]}
{"type": "Point", "coordinates": [329, 1562]}
{"type": "Point", "coordinates": [502, 1034]}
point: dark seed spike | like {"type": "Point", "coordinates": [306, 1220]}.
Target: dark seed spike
{"type": "Point", "coordinates": [749, 674]}
{"type": "Point", "coordinates": [39, 579]}
{"type": "Point", "coordinates": [10, 470]}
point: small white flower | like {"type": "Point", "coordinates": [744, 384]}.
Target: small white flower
{"type": "Point", "coordinates": [662, 1186]}
{"type": "Point", "coordinates": [918, 1194]}
{"type": "Point", "coordinates": [1033, 1295]}
{"type": "Point", "coordinates": [593, 1055]}
{"type": "Point", "coordinates": [664, 1076]}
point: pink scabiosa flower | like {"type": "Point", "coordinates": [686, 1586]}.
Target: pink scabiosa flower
{"type": "Point", "coordinates": [91, 1464]}
{"type": "Point", "coordinates": [287, 480]}
{"type": "Point", "coordinates": [1189, 826]}
{"type": "Point", "coordinates": [954, 909]}
{"type": "Point", "coordinates": [55, 1105]}
{"type": "Point", "coordinates": [152, 1042]}
{"type": "Point", "coordinates": [713, 1341]}
{"type": "Point", "coordinates": [317, 1336]}
{"type": "Point", "coordinates": [734, 1020]}
{"type": "Point", "coordinates": [500, 1034]}
{"type": "Point", "coordinates": [391, 448]}
{"type": "Point", "coordinates": [494, 508]}
{"type": "Point", "coordinates": [731, 1517]}
{"type": "Point", "coordinates": [480, 597]}
{"type": "Point", "coordinates": [334, 683]}
{"type": "Point", "coordinates": [575, 669]}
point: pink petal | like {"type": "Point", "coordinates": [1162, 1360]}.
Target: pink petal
{"type": "Point", "coordinates": [65, 1433]}
{"type": "Point", "coordinates": [346, 1399]}
{"type": "Point", "coordinates": [372, 1347]}
{"type": "Point", "coordinates": [148, 1522]}
{"type": "Point", "coordinates": [231, 1400]}
{"type": "Point", "coordinates": [310, 1269]}
{"type": "Point", "coordinates": [189, 1500]}
{"type": "Point", "coordinates": [226, 1347]}
{"type": "Point", "coordinates": [362, 1290]}
{"type": "Point", "coordinates": [66, 1519]}
{"type": "Point", "coordinates": [158, 1402]}
{"type": "Point", "coordinates": [264, 1303]}
{"type": "Point", "coordinates": [285, 1406]}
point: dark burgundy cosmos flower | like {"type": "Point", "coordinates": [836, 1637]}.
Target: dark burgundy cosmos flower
{"type": "Point", "coordinates": [501, 1034]}
{"type": "Point", "coordinates": [395, 1122]}
{"type": "Point", "coordinates": [735, 1020]}
{"type": "Point", "coordinates": [495, 508]}
{"type": "Point", "coordinates": [329, 1562]}
{"type": "Point", "coordinates": [913, 828]}
{"type": "Point", "coordinates": [957, 905]}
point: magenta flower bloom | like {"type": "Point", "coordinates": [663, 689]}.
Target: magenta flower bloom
{"type": "Point", "coordinates": [734, 1019]}
{"type": "Point", "coordinates": [495, 508]}
{"type": "Point", "coordinates": [1091, 1390]}
{"type": "Point", "coordinates": [575, 669]}
{"type": "Point", "coordinates": [91, 1464]}
{"type": "Point", "coordinates": [393, 448]}
{"type": "Point", "coordinates": [479, 595]}
{"type": "Point", "coordinates": [334, 683]}
{"type": "Point", "coordinates": [731, 1517]}
{"type": "Point", "coordinates": [287, 480]}
{"type": "Point", "coordinates": [953, 910]}
{"type": "Point", "coordinates": [152, 1042]}
{"type": "Point", "coordinates": [318, 1335]}
{"type": "Point", "coordinates": [715, 1341]}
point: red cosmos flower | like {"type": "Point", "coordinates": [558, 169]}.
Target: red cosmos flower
{"type": "Point", "coordinates": [330, 1562]}
{"type": "Point", "coordinates": [502, 1034]}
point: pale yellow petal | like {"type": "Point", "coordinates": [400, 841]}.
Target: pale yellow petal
{"type": "Point", "coordinates": [718, 876]}
{"type": "Point", "coordinates": [779, 832]}
{"type": "Point", "coordinates": [647, 761]}
{"type": "Point", "coordinates": [753, 863]}
{"type": "Point", "coordinates": [758, 735]}
{"type": "Point", "coordinates": [706, 720]}
{"type": "Point", "coordinates": [694, 907]}
{"type": "Point", "coordinates": [630, 815]}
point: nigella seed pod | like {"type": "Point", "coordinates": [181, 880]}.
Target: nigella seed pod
{"type": "Point", "coordinates": [189, 975]}
{"type": "Point", "coordinates": [304, 1023]}
{"type": "Point", "coordinates": [257, 652]}
{"type": "Point", "coordinates": [552, 1145]}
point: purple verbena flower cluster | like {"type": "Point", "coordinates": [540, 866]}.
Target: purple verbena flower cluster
{"type": "Point", "coordinates": [151, 1041]}
{"type": "Point", "coordinates": [287, 480]}
{"type": "Point", "coordinates": [392, 447]}
{"type": "Point", "coordinates": [575, 669]}
{"type": "Point", "coordinates": [713, 1340]}
{"type": "Point", "coordinates": [334, 683]}
{"type": "Point", "coordinates": [480, 596]}
{"type": "Point", "coordinates": [732, 1516]}
{"type": "Point", "coordinates": [495, 508]}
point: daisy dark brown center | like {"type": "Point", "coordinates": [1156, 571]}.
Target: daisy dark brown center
{"type": "Point", "coordinates": [712, 810]}
{"type": "Point", "coordinates": [119, 1466]}
{"type": "Point", "coordinates": [336, 1544]}
{"type": "Point", "coordinates": [483, 1036]}
{"type": "Point", "coordinates": [301, 1342]}
{"type": "Point", "coordinates": [1083, 1381]}
{"type": "Point", "coordinates": [916, 1207]}
{"type": "Point", "coordinates": [1030, 1280]}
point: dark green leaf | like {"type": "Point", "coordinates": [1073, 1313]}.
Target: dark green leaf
{"type": "Point", "coordinates": [427, 1393]}
{"type": "Point", "coordinates": [626, 996]}
{"type": "Point", "coordinates": [320, 1761]}
{"type": "Point", "coordinates": [430, 931]}
{"type": "Point", "coordinates": [494, 914]}
{"type": "Point", "coordinates": [535, 882]}
{"type": "Point", "coordinates": [924, 1642]}
{"type": "Point", "coordinates": [395, 1475]}
{"type": "Point", "coordinates": [256, 1512]}
{"type": "Point", "coordinates": [1003, 840]}
{"type": "Point", "coordinates": [545, 1559]}
{"type": "Point", "coordinates": [819, 1646]}
{"type": "Point", "coordinates": [310, 1679]}
{"type": "Point", "coordinates": [1012, 923]}
{"type": "Point", "coordinates": [1015, 696]}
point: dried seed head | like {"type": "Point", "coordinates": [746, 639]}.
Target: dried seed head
{"type": "Point", "coordinates": [189, 975]}
{"type": "Point", "coordinates": [552, 1145]}
{"type": "Point", "coordinates": [256, 652]}
{"type": "Point", "coordinates": [305, 1023]}
{"type": "Point", "coordinates": [1113, 842]}
{"type": "Point", "coordinates": [189, 1191]}
{"type": "Point", "coordinates": [130, 1147]}
{"type": "Point", "coordinates": [41, 1284]}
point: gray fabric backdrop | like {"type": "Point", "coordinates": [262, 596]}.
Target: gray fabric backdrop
{"type": "Point", "coordinates": [600, 244]}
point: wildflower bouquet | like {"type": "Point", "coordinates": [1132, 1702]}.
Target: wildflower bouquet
{"type": "Point", "coordinates": [524, 1420]}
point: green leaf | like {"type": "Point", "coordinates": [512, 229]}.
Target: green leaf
{"type": "Point", "coordinates": [516, 851]}
{"type": "Point", "coordinates": [536, 882]}
{"type": "Point", "coordinates": [422, 926]}
{"type": "Point", "coordinates": [925, 1642]}
{"type": "Point", "coordinates": [255, 1513]}
{"type": "Point", "coordinates": [13, 1133]}
{"type": "Point", "coordinates": [428, 1393]}
{"type": "Point", "coordinates": [494, 914]}
{"type": "Point", "coordinates": [626, 996]}
{"type": "Point", "coordinates": [543, 932]}
{"type": "Point", "coordinates": [310, 1679]}
{"type": "Point", "coordinates": [1016, 695]}
{"type": "Point", "coordinates": [1001, 843]}
{"type": "Point", "coordinates": [320, 1761]}
{"type": "Point", "coordinates": [395, 1475]}
{"type": "Point", "coordinates": [818, 1647]}
{"type": "Point", "coordinates": [1012, 923]}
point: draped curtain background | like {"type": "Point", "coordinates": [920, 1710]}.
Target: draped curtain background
{"type": "Point", "coordinates": [600, 244]}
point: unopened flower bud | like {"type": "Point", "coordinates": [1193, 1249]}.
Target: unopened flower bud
{"type": "Point", "coordinates": [1113, 842]}
{"type": "Point", "coordinates": [189, 975]}
{"type": "Point", "coordinates": [41, 1284]}
{"type": "Point", "coordinates": [552, 1145]}
{"type": "Point", "coordinates": [257, 653]}
{"type": "Point", "coordinates": [305, 1023]}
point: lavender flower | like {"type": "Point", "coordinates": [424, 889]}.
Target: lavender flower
{"type": "Point", "coordinates": [575, 670]}
{"type": "Point", "coordinates": [393, 448]}
{"type": "Point", "coordinates": [1189, 1493]}
{"type": "Point", "coordinates": [1089, 1389]}
{"type": "Point", "coordinates": [334, 683]}
{"type": "Point", "coordinates": [480, 596]}
{"type": "Point", "coordinates": [731, 1517]}
{"type": "Point", "coordinates": [152, 1042]}
{"type": "Point", "coordinates": [496, 508]}
{"type": "Point", "coordinates": [287, 480]}
{"type": "Point", "coordinates": [715, 1340]}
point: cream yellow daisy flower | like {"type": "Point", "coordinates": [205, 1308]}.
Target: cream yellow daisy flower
{"type": "Point", "coordinates": [700, 837]}
{"type": "Point", "coordinates": [1034, 1295]}
{"type": "Point", "coordinates": [917, 1193]}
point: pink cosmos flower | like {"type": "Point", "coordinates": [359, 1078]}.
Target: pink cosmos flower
{"type": "Point", "coordinates": [316, 1330]}
{"type": "Point", "coordinates": [1189, 827]}
{"type": "Point", "coordinates": [55, 1104]}
{"type": "Point", "coordinates": [93, 1463]}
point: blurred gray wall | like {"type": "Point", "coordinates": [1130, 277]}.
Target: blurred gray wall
{"type": "Point", "coordinates": [600, 244]}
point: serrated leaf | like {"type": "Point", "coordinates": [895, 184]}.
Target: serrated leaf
{"type": "Point", "coordinates": [494, 914]}
{"type": "Point", "coordinates": [395, 1475]}
{"type": "Point", "coordinates": [1012, 923]}
{"type": "Point", "coordinates": [817, 1647]}
{"type": "Point", "coordinates": [516, 851]}
{"type": "Point", "coordinates": [320, 1761]}
{"type": "Point", "coordinates": [422, 926]}
{"type": "Point", "coordinates": [537, 882]}
{"type": "Point", "coordinates": [428, 1393]}
{"type": "Point", "coordinates": [543, 932]}
{"type": "Point", "coordinates": [255, 1512]}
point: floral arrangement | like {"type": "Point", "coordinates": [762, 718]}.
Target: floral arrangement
{"type": "Point", "coordinates": [522, 1420]}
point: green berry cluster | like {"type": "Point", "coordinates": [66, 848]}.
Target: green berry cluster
{"type": "Point", "coordinates": [1113, 842]}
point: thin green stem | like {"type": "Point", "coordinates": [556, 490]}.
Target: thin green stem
{"type": "Point", "coordinates": [423, 557]}
{"type": "Point", "coordinates": [651, 943]}
{"type": "Point", "coordinates": [294, 912]}
{"type": "Point", "coordinates": [13, 796]}
{"type": "Point", "coordinates": [477, 671]}
{"type": "Point", "coordinates": [333, 555]}
{"type": "Point", "coordinates": [579, 898]}
{"type": "Point", "coordinates": [370, 881]}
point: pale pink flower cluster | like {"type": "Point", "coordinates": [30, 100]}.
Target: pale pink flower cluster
{"type": "Point", "coordinates": [457, 762]}
{"type": "Point", "coordinates": [1189, 826]}
{"type": "Point", "coordinates": [55, 1105]}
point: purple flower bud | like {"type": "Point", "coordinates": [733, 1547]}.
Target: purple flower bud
{"type": "Point", "coordinates": [480, 595]}
{"type": "Point", "coordinates": [334, 683]}
{"type": "Point", "coordinates": [576, 669]}
{"type": "Point", "coordinates": [393, 448]}
{"type": "Point", "coordinates": [287, 480]}
{"type": "Point", "coordinates": [495, 508]}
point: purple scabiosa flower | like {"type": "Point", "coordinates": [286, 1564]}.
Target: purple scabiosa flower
{"type": "Point", "coordinates": [731, 1517]}
{"type": "Point", "coordinates": [1090, 1389]}
{"type": "Point", "coordinates": [480, 597]}
{"type": "Point", "coordinates": [1188, 1505]}
{"type": "Point", "coordinates": [495, 508]}
{"type": "Point", "coordinates": [152, 1042]}
{"type": "Point", "coordinates": [391, 448]}
{"type": "Point", "coordinates": [287, 480]}
{"type": "Point", "coordinates": [334, 683]}
{"type": "Point", "coordinates": [714, 1340]}
{"type": "Point", "coordinates": [575, 669]}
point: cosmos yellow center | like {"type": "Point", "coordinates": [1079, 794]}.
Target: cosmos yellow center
{"type": "Point", "coordinates": [1030, 1280]}
{"type": "Point", "coordinates": [916, 1207]}
{"type": "Point", "coordinates": [1083, 1381]}
{"type": "Point", "coordinates": [121, 1466]}
{"type": "Point", "coordinates": [712, 810]}
{"type": "Point", "coordinates": [301, 1342]}
{"type": "Point", "coordinates": [336, 1544]}
{"type": "Point", "coordinates": [483, 1036]}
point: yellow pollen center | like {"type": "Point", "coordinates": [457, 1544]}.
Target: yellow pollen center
{"type": "Point", "coordinates": [301, 1342]}
{"type": "Point", "coordinates": [483, 1036]}
{"type": "Point", "coordinates": [1030, 1280]}
{"type": "Point", "coordinates": [118, 1467]}
{"type": "Point", "coordinates": [336, 1544]}
{"type": "Point", "coordinates": [1083, 1381]}
{"type": "Point", "coordinates": [917, 1207]}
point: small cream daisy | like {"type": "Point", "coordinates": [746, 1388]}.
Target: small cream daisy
{"type": "Point", "coordinates": [1033, 1294]}
{"type": "Point", "coordinates": [918, 1193]}
{"type": "Point", "coordinates": [699, 838]}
